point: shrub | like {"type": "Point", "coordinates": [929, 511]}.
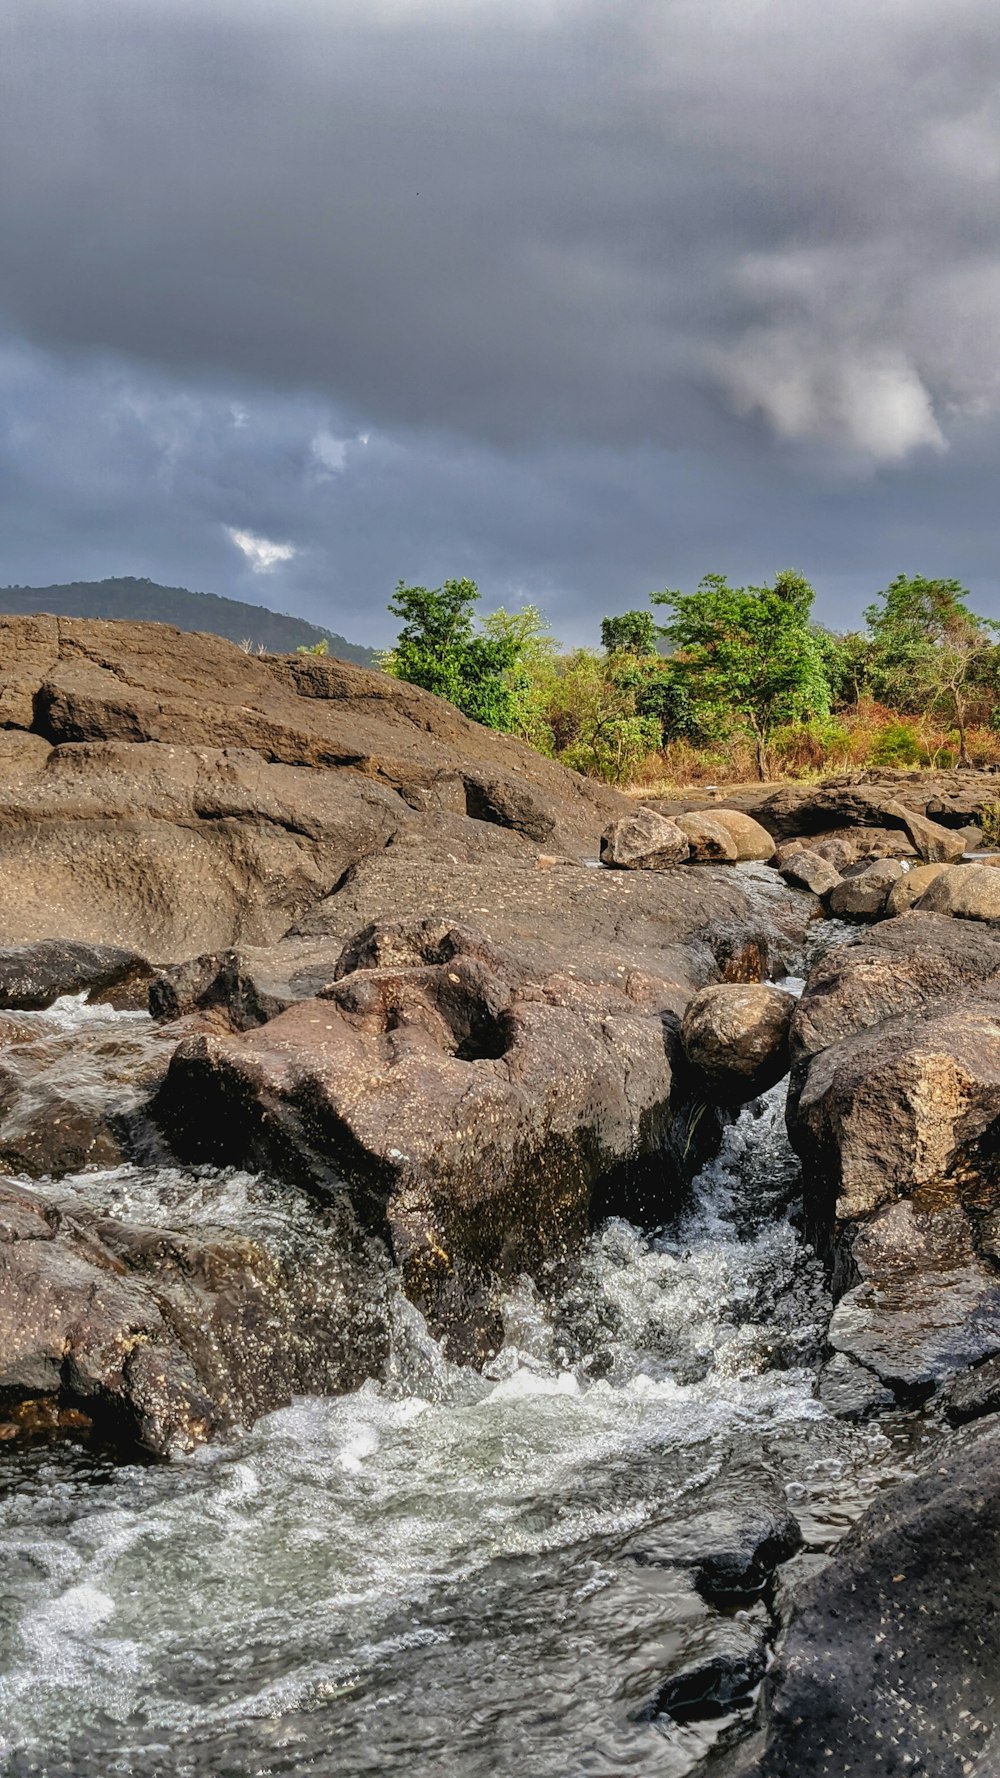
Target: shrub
{"type": "Point", "coordinates": [897, 745]}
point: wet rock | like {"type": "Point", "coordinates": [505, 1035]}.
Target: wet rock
{"type": "Point", "coordinates": [731, 1530]}
{"type": "Point", "coordinates": [910, 887]}
{"type": "Point", "coordinates": [470, 1111]}
{"type": "Point", "coordinates": [901, 966]}
{"type": "Point", "coordinates": [927, 1305]}
{"type": "Point", "coordinates": [720, 1669]}
{"type": "Point", "coordinates": [737, 1037]}
{"type": "Point", "coordinates": [909, 1103]}
{"type": "Point", "coordinates": [709, 841]}
{"type": "Point", "coordinates": [850, 1391]}
{"type": "Point", "coordinates": [33, 976]}
{"type": "Point", "coordinates": [808, 870]}
{"type": "Point", "coordinates": [220, 979]}
{"type": "Point", "coordinates": [752, 841]}
{"type": "Point", "coordinates": [966, 892]}
{"type": "Point", "coordinates": [864, 896]}
{"type": "Point", "coordinates": [644, 841]}
{"type": "Point", "coordinates": [891, 1660]}
{"type": "Point", "coordinates": [161, 1337]}
{"type": "Point", "coordinates": [974, 1395]}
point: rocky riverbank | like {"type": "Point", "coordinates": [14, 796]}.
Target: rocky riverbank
{"type": "Point", "coordinates": [289, 918]}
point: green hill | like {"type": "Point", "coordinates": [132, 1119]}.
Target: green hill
{"type": "Point", "coordinates": [142, 601]}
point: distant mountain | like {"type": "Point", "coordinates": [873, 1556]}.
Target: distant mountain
{"type": "Point", "coordinates": [143, 601]}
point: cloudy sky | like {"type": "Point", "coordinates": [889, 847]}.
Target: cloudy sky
{"type": "Point", "coordinates": [577, 297]}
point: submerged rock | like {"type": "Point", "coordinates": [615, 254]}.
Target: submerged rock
{"type": "Point", "coordinates": [33, 976]}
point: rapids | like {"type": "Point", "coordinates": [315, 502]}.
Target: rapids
{"type": "Point", "coordinates": [436, 1575]}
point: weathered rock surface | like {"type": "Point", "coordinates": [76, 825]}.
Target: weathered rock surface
{"type": "Point", "coordinates": [643, 841]}
{"type": "Point", "coordinates": [908, 890]}
{"type": "Point", "coordinates": [892, 1658]}
{"type": "Point", "coordinates": [161, 1336]}
{"type": "Point", "coordinates": [936, 844]}
{"type": "Point", "coordinates": [708, 840]}
{"type": "Point", "coordinates": [166, 799]}
{"type": "Point", "coordinates": [752, 841]}
{"type": "Point", "coordinates": [804, 869]}
{"type": "Point", "coordinates": [966, 892]}
{"type": "Point", "coordinates": [736, 1036]}
{"type": "Point", "coordinates": [846, 846]}
{"type": "Point", "coordinates": [863, 896]}
{"type": "Point", "coordinates": [470, 1107]}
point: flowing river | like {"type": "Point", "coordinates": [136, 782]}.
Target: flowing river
{"type": "Point", "coordinates": [436, 1575]}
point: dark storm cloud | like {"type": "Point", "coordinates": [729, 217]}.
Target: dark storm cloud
{"type": "Point", "coordinates": [575, 219]}
{"type": "Point", "coordinates": [615, 292]}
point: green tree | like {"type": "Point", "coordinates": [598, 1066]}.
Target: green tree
{"type": "Point", "coordinates": [847, 659]}
{"type": "Point", "coordinates": [438, 649]}
{"type": "Point", "coordinates": [531, 677]}
{"type": "Point", "coordinates": [928, 649]}
{"type": "Point", "coordinates": [632, 632]}
{"type": "Point", "coordinates": [749, 654]}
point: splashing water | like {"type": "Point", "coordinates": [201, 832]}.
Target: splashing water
{"type": "Point", "coordinates": [429, 1576]}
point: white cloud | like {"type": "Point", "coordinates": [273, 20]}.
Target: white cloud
{"type": "Point", "coordinates": [260, 552]}
{"type": "Point", "coordinates": [329, 453]}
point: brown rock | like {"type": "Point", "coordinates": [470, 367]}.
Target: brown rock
{"type": "Point", "coordinates": [965, 891]}
{"type": "Point", "coordinates": [910, 888]}
{"type": "Point", "coordinates": [935, 844]}
{"type": "Point", "coordinates": [643, 840]}
{"type": "Point", "coordinates": [751, 839]}
{"type": "Point", "coordinates": [709, 841]}
{"type": "Point", "coordinates": [737, 1037]}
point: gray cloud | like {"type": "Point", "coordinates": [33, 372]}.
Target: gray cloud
{"type": "Point", "coordinates": [572, 220]}
{"type": "Point", "coordinates": [615, 294]}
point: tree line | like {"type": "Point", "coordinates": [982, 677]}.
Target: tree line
{"type": "Point", "coordinates": [729, 681]}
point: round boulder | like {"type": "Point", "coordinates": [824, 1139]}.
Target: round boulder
{"type": "Point", "coordinates": [911, 887]}
{"type": "Point", "coordinates": [710, 842]}
{"type": "Point", "coordinates": [805, 869]}
{"type": "Point", "coordinates": [967, 891]}
{"type": "Point", "coordinates": [644, 841]}
{"type": "Point", "coordinates": [736, 1034]}
{"type": "Point", "coordinates": [752, 841]}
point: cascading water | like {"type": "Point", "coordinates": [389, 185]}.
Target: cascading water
{"type": "Point", "coordinates": [437, 1574]}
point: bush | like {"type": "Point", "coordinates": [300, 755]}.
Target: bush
{"type": "Point", "coordinates": [897, 745]}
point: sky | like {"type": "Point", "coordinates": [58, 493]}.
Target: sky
{"type": "Point", "coordinates": [577, 298]}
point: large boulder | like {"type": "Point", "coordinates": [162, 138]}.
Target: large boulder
{"type": "Point", "coordinates": [470, 1111]}
{"type": "Point", "coordinates": [892, 1655]}
{"type": "Point", "coordinates": [936, 844]}
{"type": "Point", "coordinates": [736, 1036]}
{"type": "Point", "coordinates": [966, 892]}
{"type": "Point", "coordinates": [709, 841]}
{"type": "Point", "coordinates": [864, 894]}
{"type": "Point", "coordinates": [908, 890]}
{"type": "Point", "coordinates": [752, 841]}
{"type": "Point", "coordinates": [643, 840]}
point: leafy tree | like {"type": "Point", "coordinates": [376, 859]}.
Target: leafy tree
{"type": "Point", "coordinates": [320, 647]}
{"type": "Point", "coordinates": [438, 649]}
{"type": "Point", "coordinates": [749, 654]}
{"type": "Point", "coordinates": [633, 632]}
{"type": "Point", "coordinates": [928, 649]}
{"type": "Point", "coordinates": [847, 659]}
{"type": "Point", "coordinates": [531, 677]}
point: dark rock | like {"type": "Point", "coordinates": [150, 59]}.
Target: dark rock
{"type": "Point", "coordinates": [731, 1530]}
{"type": "Point", "coordinates": [892, 1660]}
{"type": "Point", "coordinates": [850, 1391]}
{"type": "Point", "coordinates": [737, 1037]}
{"type": "Point", "coordinates": [33, 976]}
{"type": "Point", "coordinates": [643, 841]}
{"type": "Point", "coordinates": [936, 844]}
{"type": "Point", "coordinates": [163, 1336]}
{"type": "Point", "coordinates": [720, 1669]}
{"type": "Point", "coordinates": [848, 846]}
{"type": "Point", "coordinates": [808, 870]}
{"type": "Point", "coordinates": [974, 1395]}
{"type": "Point", "coordinates": [863, 896]}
